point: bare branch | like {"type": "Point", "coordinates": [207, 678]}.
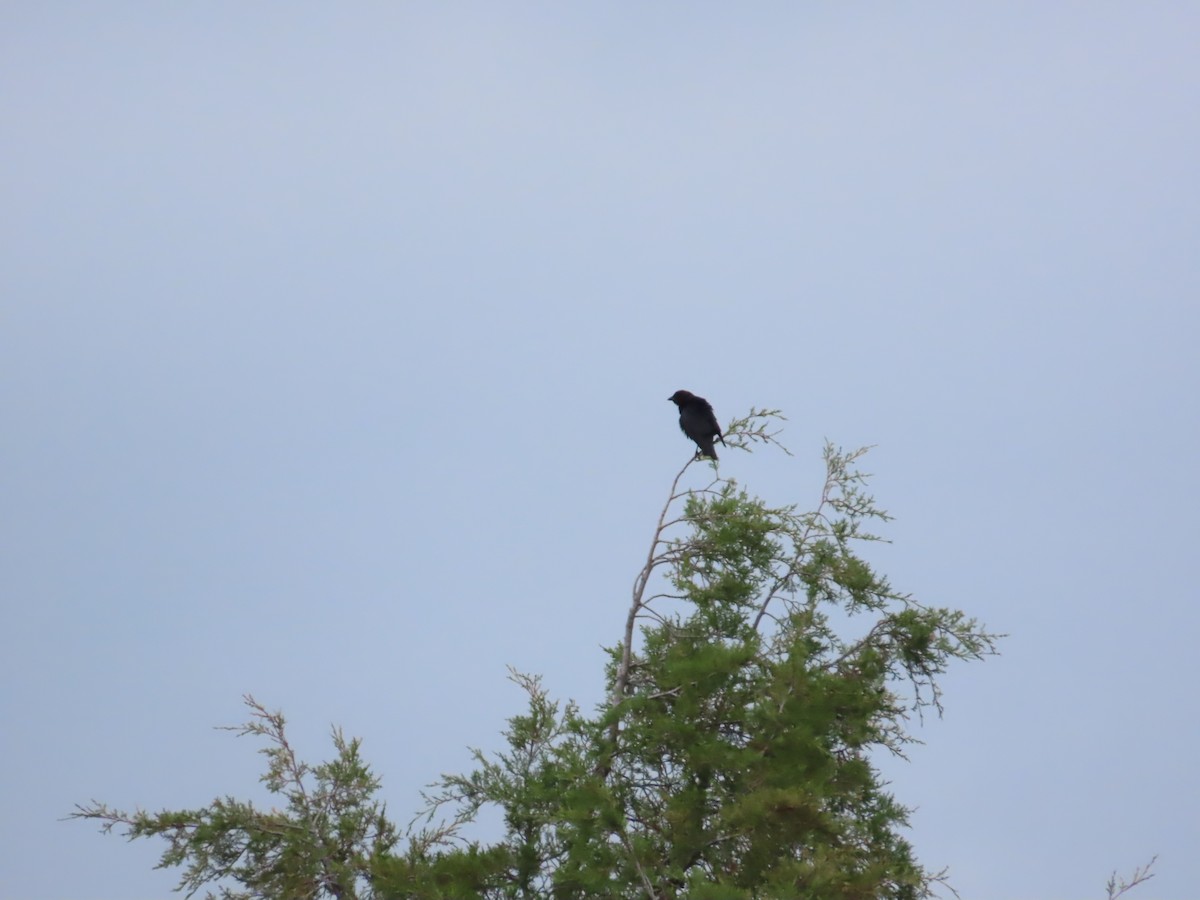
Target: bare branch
{"type": "Point", "coordinates": [1118, 886]}
{"type": "Point", "coordinates": [639, 591]}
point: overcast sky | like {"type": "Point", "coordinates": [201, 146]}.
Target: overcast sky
{"type": "Point", "coordinates": [335, 343]}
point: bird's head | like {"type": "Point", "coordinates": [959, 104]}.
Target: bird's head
{"type": "Point", "coordinates": [680, 397]}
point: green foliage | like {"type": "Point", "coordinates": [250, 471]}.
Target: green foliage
{"type": "Point", "coordinates": [324, 843]}
{"type": "Point", "coordinates": [763, 662]}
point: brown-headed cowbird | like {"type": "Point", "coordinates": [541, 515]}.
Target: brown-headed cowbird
{"type": "Point", "coordinates": [697, 421]}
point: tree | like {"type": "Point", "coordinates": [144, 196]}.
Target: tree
{"type": "Point", "coordinates": [322, 844]}
{"type": "Point", "coordinates": [763, 662]}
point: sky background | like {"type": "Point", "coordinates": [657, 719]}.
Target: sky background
{"type": "Point", "coordinates": [335, 343]}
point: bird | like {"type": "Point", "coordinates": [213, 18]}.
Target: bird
{"type": "Point", "coordinates": [698, 422]}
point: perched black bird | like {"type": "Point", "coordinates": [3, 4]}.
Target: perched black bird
{"type": "Point", "coordinates": [697, 421]}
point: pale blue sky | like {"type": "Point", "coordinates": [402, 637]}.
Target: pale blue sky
{"type": "Point", "coordinates": [335, 342]}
